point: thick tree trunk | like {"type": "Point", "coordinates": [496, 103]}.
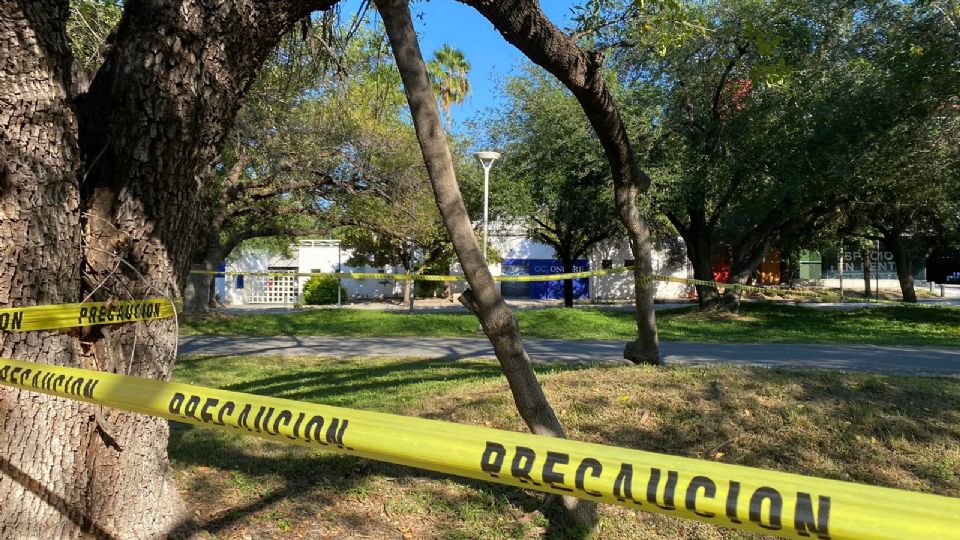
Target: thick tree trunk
{"type": "Point", "coordinates": [701, 258]}
{"type": "Point", "coordinates": [567, 283]}
{"type": "Point", "coordinates": [48, 446]}
{"type": "Point", "coordinates": [904, 269]}
{"type": "Point", "coordinates": [482, 298]}
{"type": "Point", "coordinates": [102, 202]}
{"type": "Point", "coordinates": [744, 261]}
{"type": "Point", "coordinates": [867, 278]}
{"type": "Point", "coordinates": [524, 25]}
{"type": "Point", "coordinates": [200, 287]}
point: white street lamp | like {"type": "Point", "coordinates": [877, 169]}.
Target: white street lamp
{"type": "Point", "coordinates": [486, 160]}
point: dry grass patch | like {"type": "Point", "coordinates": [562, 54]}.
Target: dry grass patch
{"type": "Point", "coordinates": [892, 431]}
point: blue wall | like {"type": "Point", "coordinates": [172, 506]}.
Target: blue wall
{"type": "Point", "coordinates": [548, 289]}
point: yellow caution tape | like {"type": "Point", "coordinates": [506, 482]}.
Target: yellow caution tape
{"type": "Point", "coordinates": [735, 286]}
{"type": "Point", "coordinates": [417, 277]}
{"type": "Point", "coordinates": [53, 317]}
{"type": "Point", "coordinates": [568, 275]}
{"type": "Point", "coordinates": [545, 277]}
{"type": "Point", "coordinates": [756, 500]}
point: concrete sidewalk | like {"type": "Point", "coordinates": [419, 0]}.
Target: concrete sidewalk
{"type": "Point", "coordinates": [935, 361]}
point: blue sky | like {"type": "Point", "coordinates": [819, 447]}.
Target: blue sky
{"type": "Point", "coordinates": [490, 56]}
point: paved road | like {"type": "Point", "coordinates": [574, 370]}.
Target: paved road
{"type": "Point", "coordinates": [941, 361]}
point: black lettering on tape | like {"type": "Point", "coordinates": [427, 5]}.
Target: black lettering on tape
{"type": "Point", "coordinates": [623, 485]}
{"type": "Point", "coordinates": [90, 386]}
{"type": "Point", "coordinates": [226, 410]}
{"type": "Point", "coordinates": [102, 314]}
{"type": "Point", "coordinates": [296, 427]}
{"type": "Point", "coordinates": [4, 371]}
{"type": "Point", "coordinates": [190, 409]}
{"type": "Point", "coordinates": [285, 416]}
{"type": "Point", "coordinates": [775, 504]}
{"type": "Point", "coordinates": [256, 421]}
{"type": "Point", "coordinates": [83, 313]}
{"type": "Point", "coordinates": [804, 520]}
{"type": "Point", "coordinates": [523, 460]}
{"type": "Point", "coordinates": [317, 423]}
{"type": "Point", "coordinates": [335, 433]}
{"type": "Point", "coordinates": [732, 499]}
{"type": "Point", "coordinates": [551, 476]}
{"type": "Point", "coordinates": [175, 403]}
{"type": "Point", "coordinates": [669, 491]}
{"type": "Point", "coordinates": [25, 378]}
{"type": "Point", "coordinates": [244, 418]}
{"type": "Point", "coordinates": [36, 379]}
{"type": "Point", "coordinates": [77, 387]}
{"type": "Point", "coordinates": [709, 491]}
{"type": "Point", "coordinates": [595, 469]}
{"type": "Point", "coordinates": [492, 459]}
{"type": "Point", "coordinates": [265, 424]}
{"type": "Point", "coordinates": [13, 374]}
{"type": "Point", "coordinates": [204, 415]}
{"type": "Point", "coordinates": [58, 382]}
{"type": "Point", "coordinates": [11, 321]}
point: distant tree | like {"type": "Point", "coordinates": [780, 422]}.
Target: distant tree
{"type": "Point", "coordinates": [580, 69]}
{"type": "Point", "coordinates": [906, 174]}
{"type": "Point", "coordinates": [554, 180]}
{"type": "Point", "coordinates": [281, 158]}
{"type": "Point", "coordinates": [448, 73]}
{"type": "Point", "coordinates": [88, 27]}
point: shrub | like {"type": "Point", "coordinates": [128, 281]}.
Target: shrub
{"type": "Point", "coordinates": [322, 290]}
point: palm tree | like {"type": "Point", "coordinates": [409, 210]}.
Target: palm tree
{"type": "Point", "coordinates": [448, 73]}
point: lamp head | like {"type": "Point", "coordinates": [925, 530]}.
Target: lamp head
{"type": "Point", "coordinates": [487, 158]}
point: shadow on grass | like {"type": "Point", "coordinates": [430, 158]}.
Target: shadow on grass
{"type": "Point", "coordinates": [297, 478]}
{"type": "Point", "coordinates": [886, 431]}
{"type": "Point", "coordinates": [314, 481]}
{"type": "Point", "coordinates": [319, 385]}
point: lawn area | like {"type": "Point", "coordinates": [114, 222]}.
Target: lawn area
{"type": "Point", "coordinates": [758, 323]}
{"type": "Point", "coordinates": [892, 431]}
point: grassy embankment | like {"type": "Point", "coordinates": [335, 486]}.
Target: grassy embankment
{"type": "Point", "coordinates": [892, 431]}
{"type": "Point", "coordinates": [758, 323]}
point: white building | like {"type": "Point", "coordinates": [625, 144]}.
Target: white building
{"type": "Point", "coordinates": [307, 256]}
{"type": "Point", "coordinates": [521, 256]}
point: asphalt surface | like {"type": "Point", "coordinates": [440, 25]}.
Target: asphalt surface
{"type": "Point", "coordinates": [932, 361]}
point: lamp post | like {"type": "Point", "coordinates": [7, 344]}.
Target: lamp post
{"type": "Point", "coordinates": [486, 160]}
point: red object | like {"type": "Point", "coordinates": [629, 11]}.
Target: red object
{"type": "Point", "coordinates": [720, 268]}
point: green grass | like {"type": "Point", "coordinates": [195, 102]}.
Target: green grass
{"type": "Point", "coordinates": [757, 323]}
{"type": "Point", "coordinates": [891, 431]}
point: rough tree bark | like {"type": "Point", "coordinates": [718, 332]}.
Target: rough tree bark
{"type": "Point", "coordinates": [42, 487]}
{"type": "Point", "coordinates": [568, 263]}
{"type": "Point", "coordinates": [100, 200]}
{"type": "Point", "coordinates": [867, 277]}
{"type": "Point", "coordinates": [901, 258]}
{"type": "Point", "coordinates": [697, 236]}
{"type": "Point", "coordinates": [482, 298]}
{"type": "Point", "coordinates": [523, 24]}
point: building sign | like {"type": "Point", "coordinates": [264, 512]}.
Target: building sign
{"type": "Point", "coordinates": [854, 261]}
{"type": "Point", "coordinates": [543, 289]}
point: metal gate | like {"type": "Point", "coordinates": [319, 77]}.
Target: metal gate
{"type": "Point", "coordinates": [272, 290]}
